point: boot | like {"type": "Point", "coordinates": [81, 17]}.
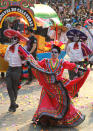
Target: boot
{"type": "Point", "coordinates": [13, 107]}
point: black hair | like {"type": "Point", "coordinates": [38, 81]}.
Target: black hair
{"type": "Point", "coordinates": [30, 29]}
{"type": "Point", "coordinates": [78, 24]}
{"type": "Point", "coordinates": [56, 47]}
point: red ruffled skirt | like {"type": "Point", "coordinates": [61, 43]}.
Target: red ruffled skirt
{"type": "Point", "coordinates": [55, 106]}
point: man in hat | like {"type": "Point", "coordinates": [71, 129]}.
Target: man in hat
{"type": "Point", "coordinates": [32, 48]}
{"type": "Point", "coordinates": [14, 72]}
{"type": "Point", "coordinates": [76, 50]}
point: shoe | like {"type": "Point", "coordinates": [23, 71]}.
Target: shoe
{"type": "Point", "coordinates": [12, 109]}
{"type": "Point", "coordinates": [16, 105]}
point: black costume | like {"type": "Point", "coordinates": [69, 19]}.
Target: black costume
{"type": "Point", "coordinates": [30, 43]}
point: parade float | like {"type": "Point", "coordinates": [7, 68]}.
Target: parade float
{"type": "Point", "coordinates": [29, 14]}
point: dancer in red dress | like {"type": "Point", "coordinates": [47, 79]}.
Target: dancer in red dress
{"type": "Point", "coordinates": [55, 107]}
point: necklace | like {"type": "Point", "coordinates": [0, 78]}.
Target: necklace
{"type": "Point", "coordinates": [54, 63]}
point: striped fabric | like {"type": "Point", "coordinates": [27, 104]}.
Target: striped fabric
{"type": "Point", "coordinates": [55, 101]}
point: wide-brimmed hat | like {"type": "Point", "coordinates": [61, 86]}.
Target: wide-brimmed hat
{"type": "Point", "coordinates": [76, 35]}
{"type": "Point", "coordinates": [13, 33]}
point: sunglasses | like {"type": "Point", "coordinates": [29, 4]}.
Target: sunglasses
{"type": "Point", "coordinates": [54, 52]}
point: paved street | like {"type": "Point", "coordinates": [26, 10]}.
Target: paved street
{"type": "Point", "coordinates": [28, 100]}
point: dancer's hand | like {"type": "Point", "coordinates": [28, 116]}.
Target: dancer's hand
{"type": "Point", "coordinates": [81, 71]}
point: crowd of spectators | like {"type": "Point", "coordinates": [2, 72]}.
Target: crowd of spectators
{"type": "Point", "coordinates": [68, 16]}
{"type": "Point", "coordinates": [72, 16]}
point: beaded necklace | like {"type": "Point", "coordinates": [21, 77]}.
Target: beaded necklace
{"type": "Point", "coordinates": [53, 65]}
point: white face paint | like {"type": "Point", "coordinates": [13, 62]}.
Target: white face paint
{"type": "Point", "coordinates": [14, 40]}
{"type": "Point", "coordinates": [54, 53]}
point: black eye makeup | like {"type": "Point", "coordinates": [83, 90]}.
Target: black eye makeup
{"type": "Point", "coordinates": [54, 52]}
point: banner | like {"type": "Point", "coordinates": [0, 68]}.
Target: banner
{"type": "Point", "coordinates": [17, 7]}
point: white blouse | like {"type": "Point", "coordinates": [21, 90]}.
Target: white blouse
{"type": "Point", "coordinates": [13, 57]}
{"type": "Point", "coordinates": [74, 54]}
